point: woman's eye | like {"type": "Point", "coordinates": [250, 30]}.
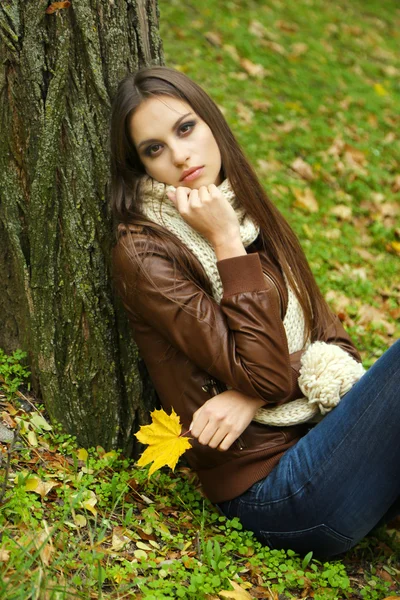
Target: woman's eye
{"type": "Point", "coordinates": [186, 127]}
{"type": "Point", "coordinates": [153, 150]}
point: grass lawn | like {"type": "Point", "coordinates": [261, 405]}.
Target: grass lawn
{"type": "Point", "coordinates": [312, 90]}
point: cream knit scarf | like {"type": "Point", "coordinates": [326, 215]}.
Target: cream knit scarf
{"type": "Point", "coordinates": [157, 207]}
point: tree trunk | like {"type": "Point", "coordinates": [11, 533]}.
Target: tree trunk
{"type": "Point", "coordinates": [60, 65]}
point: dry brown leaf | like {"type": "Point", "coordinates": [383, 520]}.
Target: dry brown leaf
{"type": "Point", "coordinates": [231, 50]}
{"type": "Point", "coordinates": [339, 303]}
{"type": "Point", "coordinates": [287, 127]}
{"type": "Point", "coordinates": [394, 247]}
{"type": "Point", "coordinates": [213, 38]}
{"type": "Point", "coordinates": [4, 555]}
{"type": "Point", "coordinates": [305, 199]}
{"type": "Point", "coordinates": [298, 49]}
{"type": "Point", "coordinates": [336, 147]}
{"type": "Point", "coordinates": [274, 46]}
{"type": "Point", "coordinates": [396, 184]}
{"type": "Point", "coordinates": [332, 234]}
{"type": "Point", "coordinates": [286, 26]}
{"type": "Point", "coordinates": [37, 485]}
{"type": "Point", "coordinates": [263, 105]}
{"type": "Point", "coordinates": [256, 28]}
{"type": "Point", "coordinates": [370, 314]}
{"type": "Point", "coordinates": [8, 420]}
{"type": "Point", "coordinates": [44, 542]}
{"type": "Point", "coordinates": [268, 166]}
{"type": "Point", "coordinates": [303, 169]}
{"type": "Point", "coordinates": [251, 68]}
{"type": "Point", "coordinates": [389, 209]}
{"type": "Point", "coordinates": [365, 254]}
{"type": "Point", "coordinates": [119, 539]}
{"type": "Point", "coordinates": [389, 137]}
{"type": "Point", "coordinates": [245, 114]}
{"type": "Point", "coordinates": [342, 212]}
{"type": "Point", "coordinates": [238, 592]}
{"type": "Point", "coordinates": [354, 154]}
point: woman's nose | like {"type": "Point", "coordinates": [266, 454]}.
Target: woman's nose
{"type": "Point", "coordinates": [180, 154]}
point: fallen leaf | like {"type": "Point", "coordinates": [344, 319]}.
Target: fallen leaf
{"type": "Point", "coordinates": [274, 46]}
{"type": "Point", "coordinates": [332, 234]}
{"type": "Point", "coordinates": [119, 539]}
{"type": "Point", "coordinates": [259, 30]}
{"type": "Point", "coordinates": [369, 314]}
{"type": "Point", "coordinates": [214, 38]}
{"type": "Point", "coordinates": [256, 28]}
{"type": "Point", "coordinates": [336, 147]}
{"type": "Point", "coordinates": [80, 520]}
{"type": "Point", "coordinates": [57, 6]}
{"type": "Point", "coordinates": [286, 26]}
{"type": "Point", "coordinates": [87, 500]}
{"type": "Point", "coordinates": [302, 168]}
{"type": "Point", "coordinates": [342, 212]}
{"type": "Point", "coordinates": [263, 105]}
{"type": "Point", "coordinates": [32, 439]}
{"type": "Point", "coordinates": [35, 484]}
{"type": "Point", "coordinates": [305, 199]}
{"type": "Point", "coordinates": [394, 247]}
{"type": "Point", "coordinates": [4, 555]}
{"type": "Point", "coordinates": [255, 70]}
{"type": "Point", "coordinates": [268, 166]}
{"type": "Point", "coordinates": [396, 184]}
{"type": "Point", "coordinates": [238, 592]}
{"type": "Point", "coordinates": [231, 50]}
{"type": "Point", "coordinates": [245, 114]}
{"type": "Point", "coordinates": [298, 49]}
{"type": "Point", "coordinates": [164, 439]}
{"type": "Point", "coordinates": [39, 422]}
{"type": "Point", "coordinates": [83, 454]}
{"type": "Point", "coordinates": [380, 90]}
{"type": "Point", "coordinates": [353, 155]}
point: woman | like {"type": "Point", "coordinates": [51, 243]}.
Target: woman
{"type": "Point", "coordinates": [230, 322]}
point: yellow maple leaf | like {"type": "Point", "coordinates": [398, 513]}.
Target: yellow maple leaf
{"type": "Point", "coordinates": [238, 592]}
{"type": "Point", "coordinates": [164, 439]}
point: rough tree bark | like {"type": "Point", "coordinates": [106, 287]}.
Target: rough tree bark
{"type": "Point", "coordinates": [60, 65]}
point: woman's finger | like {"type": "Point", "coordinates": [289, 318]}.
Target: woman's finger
{"type": "Point", "coordinates": [181, 199]}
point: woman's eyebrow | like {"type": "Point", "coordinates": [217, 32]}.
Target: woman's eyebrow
{"type": "Point", "coordinates": [175, 125]}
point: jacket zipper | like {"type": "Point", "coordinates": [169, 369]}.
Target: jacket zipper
{"type": "Point", "coordinates": [213, 386]}
{"type": "Point", "coordinates": [278, 290]}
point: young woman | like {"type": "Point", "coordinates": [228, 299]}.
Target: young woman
{"type": "Point", "coordinates": [236, 335]}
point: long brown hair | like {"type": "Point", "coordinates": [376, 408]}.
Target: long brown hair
{"type": "Point", "coordinates": [127, 173]}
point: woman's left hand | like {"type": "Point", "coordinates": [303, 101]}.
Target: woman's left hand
{"type": "Point", "coordinates": [223, 418]}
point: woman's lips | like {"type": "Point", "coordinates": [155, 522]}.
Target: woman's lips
{"type": "Point", "coordinates": [193, 174]}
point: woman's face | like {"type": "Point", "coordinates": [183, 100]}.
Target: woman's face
{"type": "Point", "coordinates": [175, 146]}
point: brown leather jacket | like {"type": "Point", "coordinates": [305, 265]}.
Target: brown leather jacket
{"type": "Point", "coordinates": [240, 343]}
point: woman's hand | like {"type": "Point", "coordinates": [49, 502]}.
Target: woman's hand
{"type": "Point", "coordinates": [223, 418]}
{"type": "Point", "coordinates": [208, 212]}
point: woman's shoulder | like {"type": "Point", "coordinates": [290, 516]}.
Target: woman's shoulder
{"type": "Point", "coordinates": [135, 239]}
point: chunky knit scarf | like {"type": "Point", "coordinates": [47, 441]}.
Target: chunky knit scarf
{"type": "Point", "coordinates": [320, 363]}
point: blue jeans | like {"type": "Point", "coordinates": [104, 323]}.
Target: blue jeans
{"type": "Point", "coordinates": [340, 480]}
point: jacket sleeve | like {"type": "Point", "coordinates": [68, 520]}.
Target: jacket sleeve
{"type": "Point", "coordinates": [241, 342]}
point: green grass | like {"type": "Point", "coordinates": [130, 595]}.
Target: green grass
{"type": "Point", "coordinates": [88, 524]}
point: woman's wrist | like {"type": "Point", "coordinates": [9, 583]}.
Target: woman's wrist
{"type": "Point", "coordinates": [230, 247]}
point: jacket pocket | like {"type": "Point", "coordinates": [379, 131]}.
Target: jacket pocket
{"type": "Point", "coordinates": [215, 387]}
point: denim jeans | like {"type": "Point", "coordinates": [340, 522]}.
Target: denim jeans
{"type": "Point", "coordinates": [341, 479]}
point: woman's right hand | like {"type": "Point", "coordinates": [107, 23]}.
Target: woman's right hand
{"type": "Point", "coordinates": [208, 212]}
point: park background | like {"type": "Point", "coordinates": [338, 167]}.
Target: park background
{"type": "Point", "coordinates": [311, 89]}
